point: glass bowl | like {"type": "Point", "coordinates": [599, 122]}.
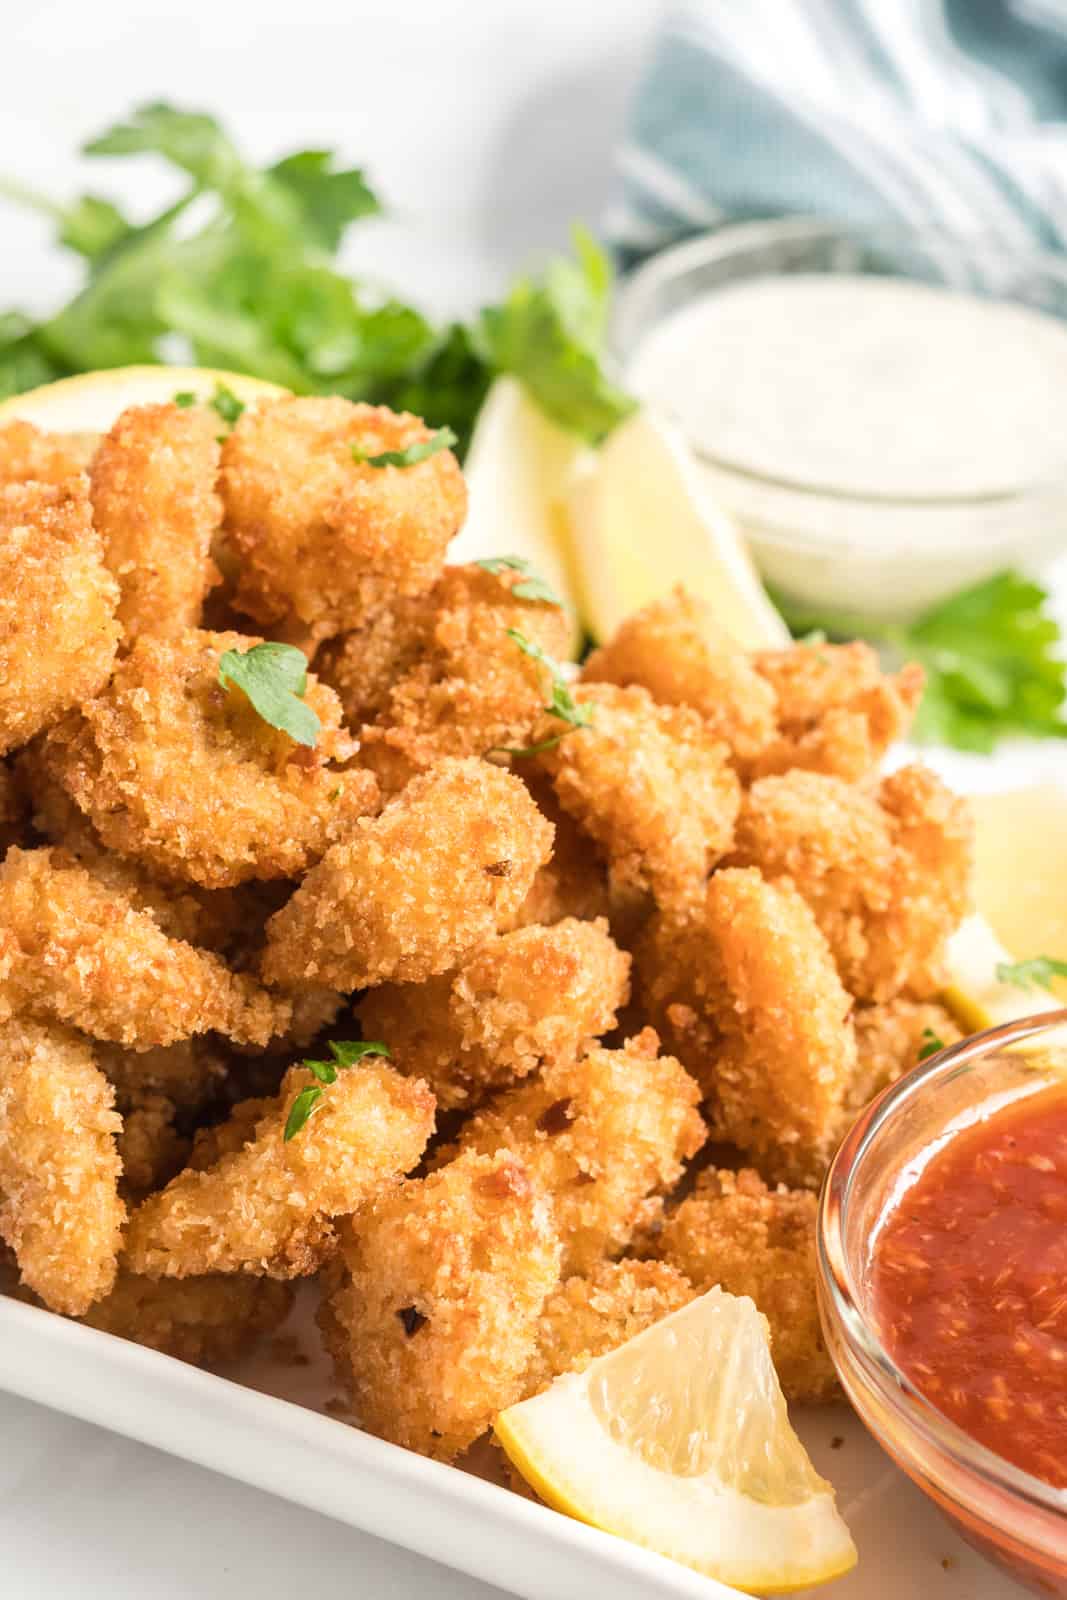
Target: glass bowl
{"type": "Point", "coordinates": [1013, 1518]}
{"type": "Point", "coordinates": [826, 548]}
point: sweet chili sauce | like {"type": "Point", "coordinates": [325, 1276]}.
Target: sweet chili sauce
{"type": "Point", "coordinates": [969, 1281]}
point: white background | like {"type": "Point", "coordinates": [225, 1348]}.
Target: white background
{"type": "Point", "coordinates": [488, 125]}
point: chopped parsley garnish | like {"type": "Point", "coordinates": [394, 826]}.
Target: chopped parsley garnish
{"type": "Point", "coordinates": [532, 587]}
{"type": "Point", "coordinates": [562, 704]}
{"type": "Point", "coordinates": [931, 1044]}
{"type": "Point", "coordinates": [1037, 973]}
{"type": "Point", "coordinates": [185, 398]}
{"type": "Point", "coordinates": [422, 450]}
{"type": "Point", "coordinates": [226, 403]}
{"type": "Point", "coordinates": [274, 677]}
{"type": "Point", "coordinates": [345, 1054]}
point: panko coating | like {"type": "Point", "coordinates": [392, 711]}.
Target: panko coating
{"type": "Point", "coordinates": [268, 1208]}
{"type": "Point", "coordinates": [588, 1317]}
{"type": "Point", "coordinates": [28, 453]}
{"type": "Point", "coordinates": [445, 865]}
{"type": "Point", "coordinates": [838, 712]}
{"type": "Point", "coordinates": [205, 1321]}
{"type": "Point", "coordinates": [182, 773]}
{"type": "Point", "coordinates": [751, 1240]}
{"type": "Point", "coordinates": [675, 650]}
{"type": "Point", "coordinates": [58, 630]}
{"type": "Point", "coordinates": [652, 787]}
{"type": "Point", "coordinates": [188, 1074]}
{"type": "Point", "coordinates": [574, 882]}
{"type": "Point", "coordinates": [605, 1137]}
{"type": "Point", "coordinates": [363, 663]}
{"type": "Point", "coordinates": [320, 536]}
{"type": "Point", "coordinates": [152, 485]}
{"type": "Point", "coordinates": [748, 995]}
{"type": "Point", "coordinates": [886, 871]}
{"type": "Point", "coordinates": [433, 1317]}
{"type": "Point", "coordinates": [890, 1040]}
{"type": "Point", "coordinates": [59, 1169]}
{"type": "Point", "coordinates": [522, 999]}
{"type": "Point", "coordinates": [74, 950]}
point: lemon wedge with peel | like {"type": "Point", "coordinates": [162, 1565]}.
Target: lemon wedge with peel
{"type": "Point", "coordinates": [680, 1441]}
{"type": "Point", "coordinates": [91, 402]}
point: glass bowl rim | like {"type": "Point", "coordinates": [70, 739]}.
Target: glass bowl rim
{"type": "Point", "coordinates": [844, 1301]}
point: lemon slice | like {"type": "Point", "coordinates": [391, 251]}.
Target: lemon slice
{"type": "Point", "coordinates": [680, 1441]}
{"type": "Point", "coordinates": [975, 994]}
{"type": "Point", "coordinates": [641, 522]}
{"type": "Point", "coordinates": [91, 402]}
{"type": "Point", "coordinates": [1021, 868]}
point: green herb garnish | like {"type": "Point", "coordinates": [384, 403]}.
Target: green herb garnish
{"type": "Point", "coordinates": [532, 587]}
{"type": "Point", "coordinates": [931, 1044]}
{"type": "Point", "coordinates": [345, 1054]}
{"type": "Point", "coordinates": [1037, 973]}
{"type": "Point", "coordinates": [274, 677]}
{"type": "Point", "coordinates": [562, 704]}
{"type": "Point", "coordinates": [443, 439]}
{"type": "Point", "coordinates": [226, 404]}
{"type": "Point", "coordinates": [185, 398]}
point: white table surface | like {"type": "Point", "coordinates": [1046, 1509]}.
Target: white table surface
{"type": "Point", "coordinates": [489, 125]}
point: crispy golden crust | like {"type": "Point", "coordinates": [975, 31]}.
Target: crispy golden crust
{"type": "Point", "coordinates": [188, 1074]}
{"type": "Point", "coordinates": [59, 1204]}
{"type": "Point", "coordinates": [206, 1321]}
{"type": "Point", "coordinates": [650, 785]}
{"type": "Point", "coordinates": [363, 664]}
{"type": "Point", "coordinates": [886, 872]}
{"type": "Point", "coordinates": [75, 950]}
{"type": "Point", "coordinates": [519, 1001]}
{"type": "Point", "coordinates": [444, 866]}
{"type": "Point", "coordinates": [889, 1041]}
{"type": "Point", "coordinates": [673, 649]}
{"type": "Point", "coordinates": [51, 458]}
{"type": "Point", "coordinates": [604, 1137]}
{"type": "Point", "coordinates": [588, 1317]}
{"type": "Point", "coordinates": [433, 1318]}
{"type": "Point", "coordinates": [321, 537]}
{"type": "Point", "coordinates": [574, 882]}
{"type": "Point", "coordinates": [152, 486]}
{"type": "Point", "coordinates": [268, 1207]}
{"type": "Point", "coordinates": [150, 1146]}
{"type": "Point", "coordinates": [58, 632]}
{"type": "Point", "coordinates": [735, 1232]}
{"type": "Point", "coordinates": [183, 774]}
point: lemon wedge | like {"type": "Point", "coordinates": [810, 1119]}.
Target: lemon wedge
{"type": "Point", "coordinates": [91, 402]}
{"type": "Point", "coordinates": [680, 1441]}
{"type": "Point", "coordinates": [641, 522]}
{"type": "Point", "coordinates": [1021, 868]}
{"type": "Point", "coordinates": [976, 996]}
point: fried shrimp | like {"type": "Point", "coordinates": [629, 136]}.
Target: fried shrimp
{"type": "Point", "coordinates": [890, 1040]}
{"type": "Point", "coordinates": [447, 863]}
{"type": "Point", "coordinates": [59, 1203]}
{"type": "Point", "coordinates": [522, 999]}
{"type": "Point", "coordinates": [751, 1240]}
{"type": "Point", "coordinates": [152, 486]}
{"type": "Point", "coordinates": [58, 632]}
{"type": "Point", "coordinates": [321, 534]}
{"type": "Point", "coordinates": [604, 1137]}
{"type": "Point", "coordinates": [205, 1321]}
{"type": "Point", "coordinates": [573, 883]}
{"type": "Point", "coordinates": [27, 453]}
{"type": "Point", "coordinates": [886, 872]}
{"type": "Point", "coordinates": [674, 649]}
{"type": "Point", "coordinates": [150, 1147]}
{"type": "Point", "coordinates": [433, 1316]}
{"type": "Point", "coordinates": [74, 950]}
{"type": "Point", "coordinates": [269, 1207]}
{"type": "Point", "coordinates": [182, 773]}
{"type": "Point", "coordinates": [650, 785]}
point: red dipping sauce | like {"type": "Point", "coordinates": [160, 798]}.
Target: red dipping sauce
{"type": "Point", "coordinates": [969, 1283]}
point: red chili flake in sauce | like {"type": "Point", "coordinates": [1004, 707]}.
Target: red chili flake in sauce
{"type": "Point", "coordinates": [969, 1277]}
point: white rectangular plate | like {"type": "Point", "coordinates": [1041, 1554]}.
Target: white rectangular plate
{"type": "Point", "coordinates": [266, 1422]}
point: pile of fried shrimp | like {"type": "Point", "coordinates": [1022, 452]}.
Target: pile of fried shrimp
{"type": "Point", "coordinates": [628, 974]}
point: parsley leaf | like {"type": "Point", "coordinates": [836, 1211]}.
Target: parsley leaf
{"type": "Point", "coordinates": [349, 1051]}
{"type": "Point", "coordinates": [532, 587]}
{"type": "Point", "coordinates": [1037, 973]}
{"type": "Point", "coordinates": [330, 200]}
{"type": "Point", "coordinates": [274, 677]}
{"type": "Point", "coordinates": [226, 404]}
{"type": "Point", "coordinates": [184, 399]}
{"type": "Point", "coordinates": [411, 455]}
{"type": "Point", "coordinates": [307, 1101]}
{"type": "Point", "coordinates": [562, 704]}
{"type": "Point", "coordinates": [931, 1044]}
{"type": "Point", "coordinates": [346, 1053]}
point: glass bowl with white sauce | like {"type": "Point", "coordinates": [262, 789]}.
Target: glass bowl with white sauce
{"type": "Point", "coordinates": [884, 413]}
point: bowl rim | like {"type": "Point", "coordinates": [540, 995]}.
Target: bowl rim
{"type": "Point", "coordinates": [843, 1302]}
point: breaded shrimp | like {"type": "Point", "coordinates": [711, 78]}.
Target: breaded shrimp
{"type": "Point", "coordinates": [604, 1137]}
{"type": "Point", "coordinates": [73, 950]}
{"type": "Point", "coordinates": [674, 649]}
{"type": "Point", "coordinates": [886, 872]}
{"type": "Point", "coordinates": [269, 1207]}
{"type": "Point", "coordinates": [890, 1040]}
{"type": "Point", "coordinates": [588, 1317]}
{"type": "Point", "coordinates": [206, 1321]}
{"type": "Point", "coordinates": [434, 1308]}
{"type": "Point", "coordinates": [837, 711]}
{"type": "Point", "coordinates": [748, 996]}
{"type": "Point", "coordinates": [151, 1148]}
{"type": "Point", "coordinates": [59, 1203]}
{"type": "Point", "coordinates": [751, 1240]}
{"type": "Point", "coordinates": [522, 999]}
{"type": "Point", "coordinates": [58, 632]}
{"type": "Point", "coordinates": [574, 882]}
{"type": "Point", "coordinates": [152, 486]}
{"type": "Point", "coordinates": [650, 785]}
{"type": "Point", "coordinates": [29, 453]}
{"type": "Point", "coordinates": [447, 863]}
{"type": "Point", "coordinates": [322, 535]}
{"type": "Point", "coordinates": [362, 664]}
{"type": "Point", "coordinates": [183, 774]}
{"type": "Point", "coordinates": [188, 1074]}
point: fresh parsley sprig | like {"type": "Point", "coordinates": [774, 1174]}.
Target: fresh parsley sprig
{"type": "Point", "coordinates": [274, 677]}
{"type": "Point", "coordinates": [411, 455]}
{"type": "Point", "coordinates": [1037, 973]}
{"type": "Point", "coordinates": [345, 1054]}
{"type": "Point", "coordinates": [931, 1044]}
{"type": "Point", "coordinates": [532, 586]}
{"type": "Point", "coordinates": [562, 703]}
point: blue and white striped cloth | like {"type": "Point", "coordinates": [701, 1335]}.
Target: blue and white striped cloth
{"type": "Point", "coordinates": [923, 112]}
